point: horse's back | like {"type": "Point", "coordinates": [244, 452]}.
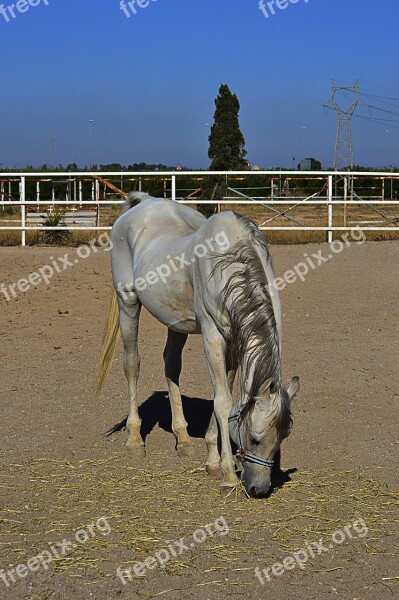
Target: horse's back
{"type": "Point", "coordinates": [155, 217]}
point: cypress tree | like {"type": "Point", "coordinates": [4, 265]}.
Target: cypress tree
{"type": "Point", "coordinates": [226, 142]}
{"type": "Point", "coordinates": [226, 147]}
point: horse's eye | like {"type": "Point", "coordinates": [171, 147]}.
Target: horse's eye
{"type": "Point", "coordinates": [253, 441]}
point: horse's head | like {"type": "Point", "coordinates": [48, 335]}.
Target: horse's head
{"type": "Point", "coordinates": [258, 432]}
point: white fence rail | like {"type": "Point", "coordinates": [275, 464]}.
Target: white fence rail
{"type": "Point", "coordinates": [276, 196]}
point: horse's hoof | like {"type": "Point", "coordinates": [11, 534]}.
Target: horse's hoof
{"type": "Point", "coordinates": [136, 450]}
{"type": "Point", "coordinates": [232, 492]}
{"type": "Point", "coordinates": [214, 471]}
{"type": "Point", "coordinates": [228, 491]}
{"type": "Point", "coordinates": [185, 450]}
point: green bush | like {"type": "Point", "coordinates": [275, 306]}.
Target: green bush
{"type": "Point", "coordinates": [56, 237]}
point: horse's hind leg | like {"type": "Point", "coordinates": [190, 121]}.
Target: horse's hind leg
{"type": "Point", "coordinates": [173, 363]}
{"type": "Point", "coordinates": [129, 313]}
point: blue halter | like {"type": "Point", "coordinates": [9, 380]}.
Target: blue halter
{"type": "Point", "coordinates": [242, 454]}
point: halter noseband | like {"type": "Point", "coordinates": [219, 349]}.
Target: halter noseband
{"type": "Point", "coordinates": [242, 454]}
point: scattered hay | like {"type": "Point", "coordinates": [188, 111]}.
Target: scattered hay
{"type": "Point", "coordinates": [147, 509]}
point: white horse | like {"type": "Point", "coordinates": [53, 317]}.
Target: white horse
{"type": "Point", "coordinates": [214, 277]}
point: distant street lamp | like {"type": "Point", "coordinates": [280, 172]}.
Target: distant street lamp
{"type": "Point", "coordinates": [387, 145]}
{"type": "Point", "coordinates": [91, 121]}
{"type": "Point", "coordinates": [209, 126]}
{"type": "Point", "coordinates": [303, 141]}
{"type": "Point", "coordinates": [391, 167]}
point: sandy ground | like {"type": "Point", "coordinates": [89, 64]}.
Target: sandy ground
{"type": "Point", "coordinates": [60, 475]}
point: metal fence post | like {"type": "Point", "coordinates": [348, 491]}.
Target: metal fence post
{"type": "Point", "coordinates": [330, 209]}
{"type": "Point", "coordinates": [23, 211]}
{"type": "Point", "coordinates": [173, 187]}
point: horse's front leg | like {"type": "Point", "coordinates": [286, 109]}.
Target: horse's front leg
{"type": "Point", "coordinates": [212, 434]}
{"type": "Point", "coordinates": [215, 351]}
{"type": "Point", "coordinates": [212, 464]}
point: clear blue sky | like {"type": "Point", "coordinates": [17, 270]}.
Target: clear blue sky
{"type": "Point", "coordinates": [149, 81]}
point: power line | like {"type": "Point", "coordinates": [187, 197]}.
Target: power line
{"type": "Point", "coordinates": [381, 99]}
{"type": "Point", "coordinates": [390, 112]}
{"type": "Point", "coordinates": [379, 121]}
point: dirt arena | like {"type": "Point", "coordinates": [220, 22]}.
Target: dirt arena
{"type": "Point", "coordinates": [68, 490]}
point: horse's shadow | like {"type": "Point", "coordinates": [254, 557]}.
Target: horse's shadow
{"type": "Point", "coordinates": [156, 411]}
{"type": "Point", "coordinates": [197, 411]}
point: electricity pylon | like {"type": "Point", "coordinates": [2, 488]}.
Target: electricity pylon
{"type": "Point", "coordinates": [343, 155]}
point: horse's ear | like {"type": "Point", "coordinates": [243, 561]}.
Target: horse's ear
{"type": "Point", "coordinates": [264, 390]}
{"type": "Point", "coordinates": [293, 387]}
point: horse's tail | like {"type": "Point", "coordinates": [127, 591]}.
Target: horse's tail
{"type": "Point", "coordinates": [133, 199]}
{"type": "Point", "coordinates": [108, 346]}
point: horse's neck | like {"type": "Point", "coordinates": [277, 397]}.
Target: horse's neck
{"type": "Point", "coordinates": [254, 371]}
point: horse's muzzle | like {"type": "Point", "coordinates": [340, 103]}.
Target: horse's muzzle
{"type": "Point", "coordinates": [257, 487]}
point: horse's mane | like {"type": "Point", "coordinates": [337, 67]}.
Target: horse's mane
{"type": "Point", "coordinates": [246, 298]}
